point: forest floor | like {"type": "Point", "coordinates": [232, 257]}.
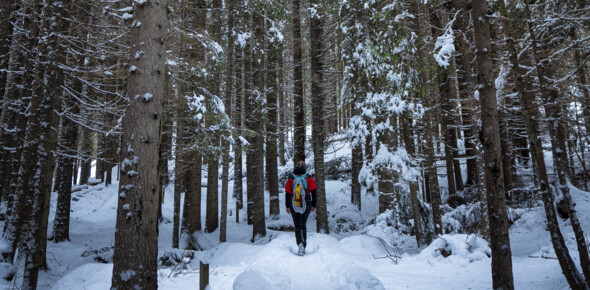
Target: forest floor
{"type": "Point", "coordinates": [340, 261]}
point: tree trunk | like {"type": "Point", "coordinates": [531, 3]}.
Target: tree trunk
{"type": "Point", "coordinates": [137, 213]}
{"type": "Point", "coordinates": [86, 150]}
{"type": "Point", "coordinates": [299, 125]}
{"type": "Point", "coordinates": [179, 182]}
{"type": "Point", "coordinates": [212, 215]}
{"type": "Point", "coordinates": [506, 153]}
{"type": "Point", "coordinates": [499, 239]}
{"type": "Point", "coordinates": [254, 123]}
{"type": "Point", "coordinates": [410, 148]}
{"type": "Point", "coordinates": [272, 175]}
{"type": "Point", "coordinates": [465, 60]}
{"type": "Point", "coordinates": [61, 224]}
{"type": "Point", "coordinates": [229, 93]}
{"type": "Point", "coordinates": [318, 131]}
{"type": "Point", "coordinates": [238, 192]}
{"type": "Point", "coordinates": [282, 109]}
{"type": "Point", "coordinates": [191, 211]}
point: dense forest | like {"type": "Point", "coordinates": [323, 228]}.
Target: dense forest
{"type": "Point", "coordinates": [456, 113]}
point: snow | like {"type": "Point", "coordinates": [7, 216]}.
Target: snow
{"type": "Point", "coordinates": [370, 255]}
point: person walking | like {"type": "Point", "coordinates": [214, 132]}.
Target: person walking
{"type": "Point", "coordinates": [300, 200]}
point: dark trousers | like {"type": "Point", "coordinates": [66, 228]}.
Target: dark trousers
{"type": "Point", "coordinates": [300, 221]}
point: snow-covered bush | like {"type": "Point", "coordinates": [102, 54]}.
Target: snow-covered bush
{"type": "Point", "coordinates": [465, 218]}
{"type": "Point", "coordinates": [457, 247]}
{"type": "Point", "coordinates": [101, 255]}
{"type": "Point", "coordinates": [346, 219]}
{"type": "Point", "coordinates": [174, 256]}
{"type": "Point", "coordinates": [338, 168]}
{"type": "Point", "coordinates": [388, 228]}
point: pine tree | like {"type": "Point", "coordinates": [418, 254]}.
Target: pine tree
{"type": "Point", "coordinates": [497, 213]}
{"type": "Point", "coordinates": [137, 217]}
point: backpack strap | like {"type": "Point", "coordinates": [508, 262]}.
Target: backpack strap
{"type": "Point", "coordinates": [303, 178]}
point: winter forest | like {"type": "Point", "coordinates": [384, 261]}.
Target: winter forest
{"type": "Point", "coordinates": [147, 143]}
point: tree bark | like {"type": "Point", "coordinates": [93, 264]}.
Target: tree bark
{"type": "Point", "coordinates": [318, 113]}
{"type": "Point", "coordinates": [255, 153]}
{"type": "Point", "coordinates": [229, 93]}
{"type": "Point", "coordinates": [179, 188]}
{"type": "Point", "coordinates": [61, 224]}
{"type": "Point", "coordinates": [191, 212]}
{"type": "Point", "coordinates": [238, 192]}
{"type": "Point", "coordinates": [502, 276]}
{"type": "Point", "coordinates": [137, 216]}
{"type": "Point", "coordinates": [212, 214]}
{"type": "Point", "coordinates": [272, 175]}
{"type": "Point", "coordinates": [410, 148]}
{"type": "Point", "coordinates": [298, 100]}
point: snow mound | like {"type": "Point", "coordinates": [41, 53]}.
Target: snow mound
{"type": "Point", "coordinates": [360, 278]}
{"type": "Point", "coordinates": [457, 248]}
{"type": "Point", "coordinates": [91, 276]}
{"type": "Point", "coordinates": [252, 280]}
{"type": "Point", "coordinates": [324, 266]}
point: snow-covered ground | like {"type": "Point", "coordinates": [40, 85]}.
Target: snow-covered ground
{"type": "Point", "coordinates": [350, 260]}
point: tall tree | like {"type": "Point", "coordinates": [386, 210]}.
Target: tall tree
{"type": "Point", "coordinates": [298, 99]}
{"type": "Point", "coordinates": [317, 96]}
{"type": "Point", "coordinates": [272, 175]}
{"type": "Point", "coordinates": [212, 215]}
{"type": "Point", "coordinates": [137, 216]}
{"type": "Point", "coordinates": [254, 123]}
{"type": "Point", "coordinates": [494, 180]}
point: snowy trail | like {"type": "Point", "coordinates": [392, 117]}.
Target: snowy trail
{"type": "Point", "coordinates": [324, 266]}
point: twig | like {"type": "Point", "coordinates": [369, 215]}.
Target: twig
{"type": "Point", "coordinates": [548, 258]}
{"type": "Point", "coordinates": [55, 258]}
{"type": "Point", "coordinates": [184, 255]}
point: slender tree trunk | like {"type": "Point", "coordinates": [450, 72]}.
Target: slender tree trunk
{"type": "Point", "coordinates": [272, 175]}
{"type": "Point", "coordinates": [238, 192]}
{"type": "Point", "coordinates": [506, 153]}
{"type": "Point", "coordinates": [500, 242]}
{"type": "Point", "coordinates": [299, 102]}
{"type": "Point", "coordinates": [191, 212]}
{"type": "Point", "coordinates": [249, 133]}
{"type": "Point", "coordinates": [465, 61]}
{"type": "Point", "coordinates": [318, 113]}
{"type": "Point", "coordinates": [179, 182]}
{"type": "Point", "coordinates": [86, 150]}
{"type": "Point", "coordinates": [254, 123]}
{"type": "Point", "coordinates": [357, 165]}
{"type": "Point", "coordinates": [61, 224]}
{"type": "Point", "coordinates": [229, 93]}
{"type": "Point", "coordinates": [282, 109]}
{"type": "Point", "coordinates": [410, 148]}
{"type": "Point", "coordinates": [212, 215]}
{"type": "Point", "coordinates": [137, 213]}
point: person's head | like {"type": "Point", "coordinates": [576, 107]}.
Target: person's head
{"type": "Point", "coordinates": [299, 168]}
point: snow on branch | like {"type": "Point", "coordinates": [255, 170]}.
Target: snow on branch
{"type": "Point", "coordinates": [445, 44]}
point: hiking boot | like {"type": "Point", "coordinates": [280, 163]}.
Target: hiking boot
{"type": "Point", "coordinates": [301, 250]}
